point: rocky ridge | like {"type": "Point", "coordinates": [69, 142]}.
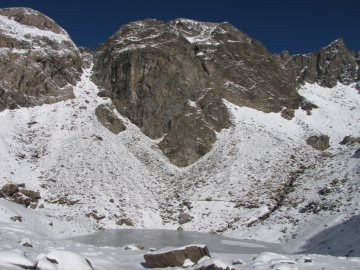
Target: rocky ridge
{"type": "Point", "coordinates": [39, 62]}
{"type": "Point", "coordinates": [326, 67]}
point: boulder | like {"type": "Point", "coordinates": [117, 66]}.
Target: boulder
{"type": "Point", "coordinates": [16, 218]}
{"type": "Point", "coordinates": [16, 259]}
{"type": "Point", "coordinates": [20, 198]}
{"type": "Point", "coordinates": [33, 195]}
{"type": "Point", "coordinates": [125, 221]}
{"type": "Point", "coordinates": [175, 257]}
{"type": "Point", "coordinates": [62, 259]}
{"type": "Point", "coordinates": [184, 218]}
{"type": "Point", "coordinates": [10, 189]}
{"type": "Point", "coordinates": [350, 140]}
{"type": "Point", "coordinates": [108, 119]}
{"type": "Point", "coordinates": [320, 142]}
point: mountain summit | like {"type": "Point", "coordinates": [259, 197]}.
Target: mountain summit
{"type": "Point", "coordinates": [170, 80]}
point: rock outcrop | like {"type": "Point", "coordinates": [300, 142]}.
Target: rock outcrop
{"type": "Point", "coordinates": [320, 142]}
{"type": "Point", "coordinates": [170, 78]}
{"type": "Point", "coordinates": [175, 257]}
{"type": "Point", "coordinates": [329, 65]}
{"type": "Point", "coordinates": [108, 118]}
{"type": "Point", "coordinates": [38, 61]}
{"type": "Point", "coordinates": [184, 218]}
{"type": "Point", "coordinates": [18, 194]}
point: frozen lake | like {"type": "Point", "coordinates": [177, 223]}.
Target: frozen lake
{"type": "Point", "coordinates": [168, 238]}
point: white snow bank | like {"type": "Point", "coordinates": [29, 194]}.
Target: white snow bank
{"type": "Point", "coordinates": [188, 263]}
{"type": "Point", "coordinates": [15, 258]}
{"type": "Point", "coordinates": [269, 256]}
{"type": "Point", "coordinates": [44, 264]}
{"type": "Point", "coordinates": [68, 260]}
{"type": "Point", "coordinates": [213, 261]}
{"type": "Point", "coordinates": [203, 259]}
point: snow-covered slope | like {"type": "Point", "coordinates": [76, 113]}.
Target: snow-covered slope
{"type": "Point", "coordinates": [259, 176]}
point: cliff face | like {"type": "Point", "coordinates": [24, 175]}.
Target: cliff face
{"type": "Point", "coordinates": [329, 65]}
{"type": "Point", "coordinates": [170, 78]}
{"type": "Point", "coordinates": [38, 61]}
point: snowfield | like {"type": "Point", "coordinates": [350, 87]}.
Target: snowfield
{"type": "Point", "coordinates": [261, 181]}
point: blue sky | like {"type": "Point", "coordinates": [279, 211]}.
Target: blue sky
{"type": "Point", "coordinates": [300, 26]}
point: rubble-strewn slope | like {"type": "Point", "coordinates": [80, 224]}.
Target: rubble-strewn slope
{"type": "Point", "coordinates": [39, 63]}
{"type": "Point", "coordinates": [261, 174]}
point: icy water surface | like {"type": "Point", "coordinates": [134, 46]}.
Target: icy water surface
{"type": "Point", "coordinates": [167, 238]}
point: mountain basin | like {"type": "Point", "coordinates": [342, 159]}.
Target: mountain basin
{"type": "Point", "coordinates": [159, 238]}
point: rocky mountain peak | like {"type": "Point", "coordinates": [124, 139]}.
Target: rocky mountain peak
{"type": "Point", "coordinates": [327, 66]}
{"type": "Point", "coordinates": [170, 80]}
{"type": "Point", "coordinates": [30, 17]}
{"type": "Point", "coordinates": [39, 63]}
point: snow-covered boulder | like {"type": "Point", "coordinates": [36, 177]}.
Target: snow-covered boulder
{"type": "Point", "coordinates": [213, 264]}
{"type": "Point", "coordinates": [8, 258]}
{"type": "Point", "coordinates": [62, 259]}
{"type": "Point", "coordinates": [133, 247]}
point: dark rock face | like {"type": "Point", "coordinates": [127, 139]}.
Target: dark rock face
{"type": "Point", "coordinates": [38, 61]}
{"type": "Point", "coordinates": [326, 67]}
{"type": "Point", "coordinates": [176, 257]}
{"type": "Point", "coordinates": [319, 142]}
{"type": "Point", "coordinates": [170, 78]}
{"type": "Point", "coordinates": [109, 120]}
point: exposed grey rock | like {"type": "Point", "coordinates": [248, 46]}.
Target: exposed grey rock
{"type": "Point", "coordinates": [20, 198]}
{"type": "Point", "coordinates": [35, 68]}
{"type": "Point", "coordinates": [171, 84]}
{"type": "Point", "coordinates": [184, 218]}
{"type": "Point", "coordinates": [350, 140]}
{"type": "Point", "coordinates": [86, 57]}
{"type": "Point", "coordinates": [16, 218]}
{"type": "Point", "coordinates": [33, 195]}
{"type": "Point", "coordinates": [319, 142]}
{"type": "Point", "coordinates": [125, 221]}
{"type": "Point", "coordinates": [26, 244]}
{"type": "Point", "coordinates": [176, 257]}
{"type": "Point", "coordinates": [109, 120]}
{"type": "Point", "coordinates": [9, 189]}
{"type": "Point", "coordinates": [326, 67]}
